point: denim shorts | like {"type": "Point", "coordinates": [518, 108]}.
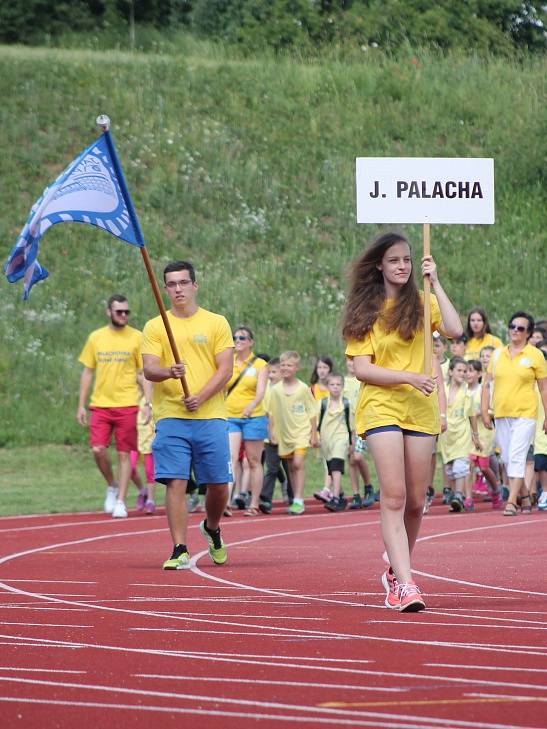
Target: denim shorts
{"type": "Point", "coordinates": [182, 443]}
{"type": "Point", "coordinates": [250, 428]}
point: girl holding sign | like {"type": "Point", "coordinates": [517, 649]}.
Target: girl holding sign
{"type": "Point", "coordinates": [398, 410]}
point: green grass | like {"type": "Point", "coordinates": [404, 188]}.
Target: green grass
{"type": "Point", "coordinates": [247, 168]}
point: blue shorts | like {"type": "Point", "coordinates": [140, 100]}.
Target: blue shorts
{"type": "Point", "coordinates": [182, 443]}
{"type": "Point", "coordinates": [250, 428]}
{"type": "Point", "coordinates": [397, 429]}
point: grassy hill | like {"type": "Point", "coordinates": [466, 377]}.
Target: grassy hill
{"type": "Point", "coordinates": [247, 168]}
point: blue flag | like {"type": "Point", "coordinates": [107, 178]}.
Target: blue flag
{"type": "Point", "coordinates": [91, 190]}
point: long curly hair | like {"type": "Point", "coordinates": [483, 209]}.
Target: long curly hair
{"type": "Point", "coordinates": [367, 295]}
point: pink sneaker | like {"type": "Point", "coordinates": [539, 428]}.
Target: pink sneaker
{"type": "Point", "coordinates": [389, 581]}
{"type": "Point", "coordinates": [410, 599]}
{"type": "Point", "coordinates": [497, 501]}
{"type": "Point", "coordinates": [149, 507]}
{"type": "Point", "coordinates": [141, 500]}
{"type": "Point", "coordinates": [325, 495]}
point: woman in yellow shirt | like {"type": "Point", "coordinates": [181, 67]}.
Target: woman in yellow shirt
{"type": "Point", "coordinates": [247, 420]}
{"type": "Point", "coordinates": [479, 334]}
{"type": "Point", "coordinates": [398, 409]}
{"type": "Point", "coordinates": [515, 370]}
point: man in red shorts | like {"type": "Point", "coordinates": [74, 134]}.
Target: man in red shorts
{"type": "Point", "coordinates": [113, 355]}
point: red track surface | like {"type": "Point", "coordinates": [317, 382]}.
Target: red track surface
{"type": "Point", "coordinates": [291, 630]}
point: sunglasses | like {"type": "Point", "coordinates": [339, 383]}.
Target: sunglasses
{"type": "Point", "coordinates": [240, 338]}
{"type": "Point", "coordinates": [126, 312]}
{"type": "Point", "coordinates": [517, 328]}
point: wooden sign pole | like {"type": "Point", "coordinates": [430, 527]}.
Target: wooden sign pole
{"type": "Point", "coordinates": [427, 304]}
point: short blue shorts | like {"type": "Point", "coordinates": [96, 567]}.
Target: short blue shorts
{"type": "Point", "coordinates": [250, 428]}
{"type": "Point", "coordinates": [397, 429]}
{"type": "Point", "coordinates": [182, 443]}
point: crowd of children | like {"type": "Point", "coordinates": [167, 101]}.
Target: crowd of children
{"type": "Point", "coordinates": [321, 415]}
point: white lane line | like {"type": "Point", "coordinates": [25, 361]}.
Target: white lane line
{"type": "Point", "coordinates": [504, 626]}
{"type": "Point", "coordinates": [56, 582]}
{"type": "Point", "coordinates": [214, 631]}
{"type": "Point", "coordinates": [337, 721]}
{"type": "Point", "coordinates": [39, 670]}
{"type": "Point", "coordinates": [312, 711]}
{"type": "Point", "coordinates": [237, 615]}
{"type": "Point", "coordinates": [56, 609]}
{"type": "Point", "coordinates": [47, 625]}
{"type": "Point", "coordinates": [108, 521]}
{"type": "Point", "coordinates": [516, 669]}
{"type": "Point", "coordinates": [235, 600]}
{"type": "Point", "coordinates": [105, 522]}
{"type": "Point", "coordinates": [489, 619]}
{"type": "Point", "coordinates": [290, 684]}
{"type": "Point", "coordinates": [234, 658]}
{"type": "Point", "coordinates": [196, 587]}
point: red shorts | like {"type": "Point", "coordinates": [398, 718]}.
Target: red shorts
{"type": "Point", "coordinates": [480, 461]}
{"type": "Point", "coordinates": [123, 421]}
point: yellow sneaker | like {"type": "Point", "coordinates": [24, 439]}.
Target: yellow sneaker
{"type": "Point", "coordinates": [217, 550]}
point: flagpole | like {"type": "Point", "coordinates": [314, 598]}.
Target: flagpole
{"type": "Point", "coordinates": [104, 122]}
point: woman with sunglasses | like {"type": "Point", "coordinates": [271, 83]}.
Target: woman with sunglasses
{"type": "Point", "coordinates": [247, 420]}
{"type": "Point", "coordinates": [514, 371]}
{"type": "Point", "coordinates": [479, 334]}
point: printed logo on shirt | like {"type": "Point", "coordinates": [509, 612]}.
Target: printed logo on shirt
{"type": "Point", "coordinates": [525, 361]}
{"type": "Point", "coordinates": [251, 372]}
{"type": "Point", "coordinates": [200, 338]}
{"type": "Point", "coordinates": [298, 408]}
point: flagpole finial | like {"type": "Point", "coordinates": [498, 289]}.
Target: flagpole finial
{"type": "Point", "coordinates": [104, 122]}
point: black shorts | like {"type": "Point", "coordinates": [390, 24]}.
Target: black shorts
{"type": "Point", "coordinates": [540, 462]}
{"type": "Point", "coordinates": [335, 464]}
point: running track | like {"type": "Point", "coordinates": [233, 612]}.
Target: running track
{"type": "Point", "coordinates": [291, 631]}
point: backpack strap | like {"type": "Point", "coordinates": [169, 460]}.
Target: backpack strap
{"type": "Point", "coordinates": [346, 414]}
{"type": "Point", "coordinates": [322, 412]}
{"type": "Point", "coordinates": [241, 375]}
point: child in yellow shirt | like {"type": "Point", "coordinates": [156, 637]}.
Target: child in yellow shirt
{"type": "Point", "coordinates": [292, 416]}
{"type": "Point", "coordinates": [335, 426]}
{"type": "Point", "coordinates": [456, 442]}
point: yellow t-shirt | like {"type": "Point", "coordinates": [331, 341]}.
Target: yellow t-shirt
{"type": "Point", "coordinates": [199, 338]}
{"type": "Point", "coordinates": [245, 390]}
{"type": "Point", "coordinates": [292, 414]}
{"type": "Point", "coordinates": [456, 441]}
{"type": "Point", "coordinates": [514, 380]}
{"type": "Point", "coordinates": [474, 345]}
{"type": "Point", "coordinates": [540, 439]}
{"type": "Point", "coordinates": [334, 432]}
{"type": "Point", "coordinates": [318, 391]}
{"type": "Point", "coordinates": [352, 390]}
{"type": "Point", "coordinates": [145, 431]}
{"type": "Point", "coordinates": [487, 437]}
{"type": "Point", "coordinates": [400, 405]}
{"type": "Point", "coordinates": [444, 369]}
{"type": "Point", "coordinates": [115, 355]}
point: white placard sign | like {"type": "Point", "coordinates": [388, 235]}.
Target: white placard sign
{"type": "Point", "coordinates": [425, 190]}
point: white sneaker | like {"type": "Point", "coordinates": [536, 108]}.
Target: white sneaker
{"type": "Point", "coordinates": [119, 511]}
{"type": "Point", "coordinates": [110, 499]}
{"type": "Point", "coordinates": [542, 501]}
